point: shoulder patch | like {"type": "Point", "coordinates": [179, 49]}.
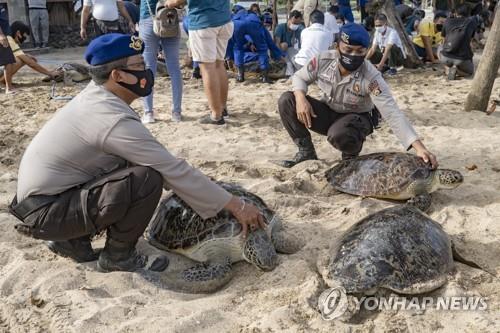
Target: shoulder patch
{"type": "Point", "coordinates": [374, 88]}
{"type": "Point", "coordinates": [313, 65]}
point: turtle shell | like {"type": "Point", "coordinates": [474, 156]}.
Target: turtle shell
{"type": "Point", "coordinates": [175, 225]}
{"type": "Point", "coordinates": [398, 248]}
{"type": "Point", "coordinates": [383, 175]}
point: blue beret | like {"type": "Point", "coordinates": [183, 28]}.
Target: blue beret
{"type": "Point", "coordinates": [354, 34]}
{"type": "Point", "coordinates": [110, 47]}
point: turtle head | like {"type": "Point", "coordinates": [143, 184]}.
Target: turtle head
{"type": "Point", "coordinates": [259, 250]}
{"type": "Point", "coordinates": [449, 179]}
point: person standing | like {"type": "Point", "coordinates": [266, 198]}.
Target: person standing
{"type": "Point", "coordinates": [306, 7]}
{"type": "Point", "coordinates": [170, 47]}
{"type": "Point", "coordinates": [106, 14]}
{"type": "Point", "coordinates": [210, 28]}
{"type": "Point", "coordinates": [346, 10]}
{"type": "Point", "coordinates": [39, 21]}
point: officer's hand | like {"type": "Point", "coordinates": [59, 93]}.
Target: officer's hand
{"type": "Point", "coordinates": [247, 214]}
{"type": "Point", "coordinates": [253, 48]}
{"type": "Point", "coordinates": [305, 112]}
{"type": "Point", "coordinates": [83, 33]}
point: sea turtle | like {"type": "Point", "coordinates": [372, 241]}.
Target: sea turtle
{"type": "Point", "coordinates": [398, 176]}
{"type": "Point", "coordinates": [398, 248]}
{"type": "Point", "coordinates": [70, 72]}
{"type": "Point", "coordinates": [217, 242]}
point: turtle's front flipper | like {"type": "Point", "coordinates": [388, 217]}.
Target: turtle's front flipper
{"type": "Point", "coordinates": [285, 243]}
{"type": "Point", "coordinates": [421, 201]}
{"type": "Point", "coordinates": [203, 278]}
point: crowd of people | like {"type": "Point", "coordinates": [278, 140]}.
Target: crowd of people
{"type": "Point", "coordinates": [107, 171]}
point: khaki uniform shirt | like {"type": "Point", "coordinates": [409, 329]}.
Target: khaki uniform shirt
{"type": "Point", "coordinates": [97, 133]}
{"type": "Point", "coordinates": [355, 93]}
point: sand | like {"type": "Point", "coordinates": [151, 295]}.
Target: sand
{"type": "Point", "coordinates": [41, 292]}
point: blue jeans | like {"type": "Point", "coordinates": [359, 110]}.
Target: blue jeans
{"type": "Point", "coordinates": [170, 48]}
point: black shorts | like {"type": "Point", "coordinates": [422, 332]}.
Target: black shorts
{"type": "Point", "coordinates": [6, 56]}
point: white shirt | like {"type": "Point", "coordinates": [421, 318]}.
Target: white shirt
{"type": "Point", "coordinates": [389, 37]}
{"type": "Point", "coordinates": [314, 40]}
{"type": "Point", "coordinates": [331, 23]}
{"type": "Point", "coordinates": [104, 10]}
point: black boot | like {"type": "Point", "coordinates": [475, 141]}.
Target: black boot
{"type": "Point", "coordinates": [120, 256]}
{"type": "Point", "coordinates": [306, 152]}
{"type": "Point", "coordinates": [78, 249]}
{"type": "Point", "coordinates": [265, 77]}
{"type": "Point", "coordinates": [241, 74]}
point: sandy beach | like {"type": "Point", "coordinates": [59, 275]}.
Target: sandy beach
{"type": "Point", "coordinates": [41, 292]}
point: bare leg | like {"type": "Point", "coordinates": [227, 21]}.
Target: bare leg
{"type": "Point", "coordinates": [223, 81]}
{"type": "Point", "coordinates": [10, 71]}
{"type": "Point", "coordinates": [212, 88]}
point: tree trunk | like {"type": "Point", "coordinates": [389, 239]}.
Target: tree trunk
{"type": "Point", "coordinates": [275, 14]}
{"type": "Point", "coordinates": [289, 6]}
{"type": "Point", "coordinates": [487, 71]}
{"type": "Point", "coordinates": [388, 8]}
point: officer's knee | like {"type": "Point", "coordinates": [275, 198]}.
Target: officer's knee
{"type": "Point", "coordinates": [286, 103]}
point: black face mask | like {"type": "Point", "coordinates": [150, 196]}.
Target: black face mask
{"type": "Point", "coordinates": [351, 62]}
{"type": "Point", "coordinates": [21, 39]}
{"type": "Point", "coordinates": [144, 85]}
{"type": "Point", "coordinates": [439, 27]}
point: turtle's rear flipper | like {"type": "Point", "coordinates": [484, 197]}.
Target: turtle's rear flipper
{"type": "Point", "coordinates": [457, 256]}
{"type": "Point", "coordinates": [202, 278]}
{"type": "Point", "coordinates": [422, 202]}
{"type": "Point", "coordinates": [286, 243]}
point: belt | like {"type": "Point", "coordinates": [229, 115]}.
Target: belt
{"type": "Point", "coordinates": [23, 209]}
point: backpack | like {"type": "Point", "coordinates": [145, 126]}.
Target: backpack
{"type": "Point", "coordinates": [165, 21]}
{"type": "Point", "coordinates": [455, 38]}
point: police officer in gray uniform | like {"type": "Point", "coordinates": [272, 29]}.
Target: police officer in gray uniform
{"type": "Point", "coordinates": [95, 167]}
{"type": "Point", "coordinates": [351, 88]}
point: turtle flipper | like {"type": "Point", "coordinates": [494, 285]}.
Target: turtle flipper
{"type": "Point", "coordinates": [421, 201]}
{"type": "Point", "coordinates": [285, 243]}
{"type": "Point", "coordinates": [203, 278]}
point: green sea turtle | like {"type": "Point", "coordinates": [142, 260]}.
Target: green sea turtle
{"type": "Point", "coordinates": [217, 242]}
{"type": "Point", "coordinates": [398, 176]}
{"type": "Point", "coordinates": [399, 249]}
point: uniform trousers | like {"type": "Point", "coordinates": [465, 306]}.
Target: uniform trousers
{"type": "Point", "coordinates": [345, 131]}
{"type": "Point", "coordinates": [121, 202]}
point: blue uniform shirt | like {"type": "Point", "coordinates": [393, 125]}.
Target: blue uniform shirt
{"type": "Point", "coordinates": [208, 14]}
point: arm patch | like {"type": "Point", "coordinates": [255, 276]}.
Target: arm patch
{"type": "Point", "coordinates": [374, 88]}
{"type": "Point", "coordinates": [313, 65]}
